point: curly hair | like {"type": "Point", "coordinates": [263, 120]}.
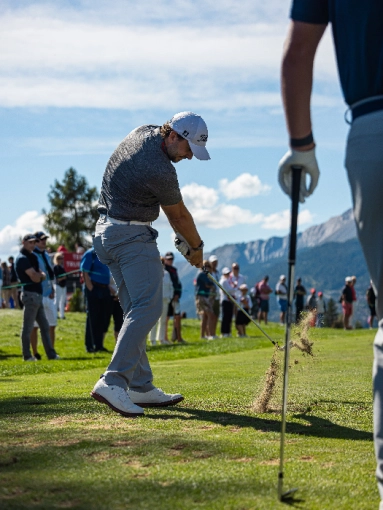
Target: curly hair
{"type": "Point", "coordinates": [166, 129]}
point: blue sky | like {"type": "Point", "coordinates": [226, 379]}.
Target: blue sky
{"type": "Point", "coordinates": [77, 76]}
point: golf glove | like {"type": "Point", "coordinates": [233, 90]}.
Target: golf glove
{"type": "Point", "coordinates": [181, 245]}
{"type": "Point", "coordinates": [308, 162]}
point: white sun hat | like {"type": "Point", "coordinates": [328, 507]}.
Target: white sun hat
{"type": "Point", "coordinates": [193, 128]}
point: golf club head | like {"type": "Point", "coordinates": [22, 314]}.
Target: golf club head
{"type": "Point", "coordinates": [288, 495]}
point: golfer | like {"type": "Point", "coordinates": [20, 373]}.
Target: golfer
{"type": "Point", "coordinates": [138, 179]}
{"type": "Point", "coordinates": [358, 38]}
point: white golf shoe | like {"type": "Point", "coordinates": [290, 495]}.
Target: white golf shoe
{"type": "Point", "coordinates": [155, 398]}
{"type": "Point", "coordinates": [116, 398]}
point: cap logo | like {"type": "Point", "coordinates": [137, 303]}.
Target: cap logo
{"type": "Point", "coordinates": [202, 138]}
{"type": "Point", "coordinates": [185, 133]}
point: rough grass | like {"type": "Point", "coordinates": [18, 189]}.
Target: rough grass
{"type": "Point", "coordinates": [61, 449]}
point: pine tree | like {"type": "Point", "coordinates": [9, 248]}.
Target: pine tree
{"type": "Point", "coordinates": [73, 215]}
{"type": "Point", "coordinates": [331, 315]}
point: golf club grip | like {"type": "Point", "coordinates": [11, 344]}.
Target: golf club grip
{"type": "Point", "coordinates": [297, 173]}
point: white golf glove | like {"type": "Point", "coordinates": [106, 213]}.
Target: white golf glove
{"type": "Point", "coordinates": [181, 245]}
{"type": "Point", "coordinates": [308, 162]}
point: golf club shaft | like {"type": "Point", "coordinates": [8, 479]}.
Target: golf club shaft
{"type": "Point", "coordinates": [239, 306]}
{"type": "Point", "coordinates": [297, 172]}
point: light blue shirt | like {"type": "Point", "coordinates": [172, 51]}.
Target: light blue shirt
{"type": "Point", "coordinates": [48, 283]}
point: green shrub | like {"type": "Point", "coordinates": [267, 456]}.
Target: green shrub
{"type": "Point", "coordinates": [76, 302]}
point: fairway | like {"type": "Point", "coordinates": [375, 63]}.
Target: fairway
{"type": "Point", "coordinates": [62, 449]}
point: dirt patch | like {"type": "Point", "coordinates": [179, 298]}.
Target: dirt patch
{"type": "Point", "coordinates": [270, 462]}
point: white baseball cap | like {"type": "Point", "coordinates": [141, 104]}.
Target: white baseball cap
{"type": "Point", "coordinates": [213, 258]}
{"type": "Point", "coordinates": [225, 270]}
{"type": "Point", "coordinates": [193, 128]}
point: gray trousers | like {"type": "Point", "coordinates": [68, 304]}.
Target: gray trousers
{"type": "Point", "coordinates": [364, 163]}
{"type": "Point", "coordinates": [34, 311]}
{"type": "Point", "coordinates": [132, 255]}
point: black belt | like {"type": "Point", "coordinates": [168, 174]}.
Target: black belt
{"type": "Point", "coordinates": [103, 285]}
{"type": "Point", "coordinates": [368, 107]}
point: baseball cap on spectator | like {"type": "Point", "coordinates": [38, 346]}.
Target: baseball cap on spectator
{"type": "Point", "coordinates": [312, 291]}
{"type": "Point", "coordinates": [282, 277]}
{"type": "Point", "coordinates": [40, 236]}
{"type": "Point", "coordinates": [29, 237]}
{"type": "Point", "coordinates": [243, 287]}
{"type": "Point", "coordinates": [348, 279]}
{"type": "Point", "coordinates": [213, 258]}
{"type": "Point", "coordinates": [193, 128]}
{"type": "Point", "coordinates": [225, 270]}
{"type": "Point", "coordinates": [169, 255]}
{"type": "Point", "coordinates": [320, 293]}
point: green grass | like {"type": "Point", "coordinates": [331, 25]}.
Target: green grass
{"type": "Point", "coordinates": [62, 449]}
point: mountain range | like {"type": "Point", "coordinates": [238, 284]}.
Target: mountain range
{"type": "Point", "coordinates": [326, 254]}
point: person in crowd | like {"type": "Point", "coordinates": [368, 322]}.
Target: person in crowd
{"type": "Point", "coordinates": [241, 320]}
{"type": "Point", "coordinates": [299, 294]}
{"type": "Point", "coordinates": [264, 291]}
{"type": "Point", "coordinates": [29, 273]}
{"type": "Point", "coordinates": [60, 284]}
{"type": "Point", "coordinates": [6, 291]}
{"type": "Point", "coordinates": [236, 279]}
{"type": "Point", "coordinates": [174, 309]}
{"type": "Point", "coordinates": [204, 303]}
{"type": "Point", "coordinates": [226, 304]}
{"type": "Point", "coordinates": [214, 295]}
{"type": "Point", "coordinates": [98, 303]}
{"type": "Point", "coordinates": [371, 300]}
{"type": "Point", "coordinates": [256, 300]}
{"type": "Point", "coordinates": [354, 299]}
{"type": "Point", "coordinates": [48, 291]}
{"type": "Point", "coordinates": [79, 249]}
{"type": "Point", "coordinates": [62, 249]}
{"type": "Point", "coordinates": [320, 310]}
{"type": "Point", "coordinates": [157, 333]}
{"type": "Point", "coordinates": [311, 303]}
{"type": "Point", "coordinates": [14, 282]}
{"type": "Point", "coordinates": [281, 293]}
{"type": "Point", "coordinates": [346, 300]}
{"type": "Point", "coordinates": [311, 306]}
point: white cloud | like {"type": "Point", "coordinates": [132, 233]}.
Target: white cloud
{"type": "Point", "coordinates": [94, 57]}
{"type": "Point", "coordinates": [10, 235]}
{"type": "Point", "coordinates": [197, 196]}
{"type": "Point", "coordinates": [281, 220]}
{"type": "Point", "coordinates": [203, 205]}
{"type": "Point", "coordinates": [245, 185]}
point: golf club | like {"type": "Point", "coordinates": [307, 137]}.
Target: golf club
{"type": "Point", "coordinates": [297, 172]}
{"type": "Point", "coordinates": [211, 277]}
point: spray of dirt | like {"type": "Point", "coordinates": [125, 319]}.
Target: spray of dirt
{"type": "Point", "coordinates": [261, 405]}
{"type": "Point", "coordinates": [300, 333]}
{"type": "Point", "coordinates": [273, 376]}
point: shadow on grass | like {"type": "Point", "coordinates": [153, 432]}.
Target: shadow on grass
{"type": "Point", "coordinates": [315, 426]}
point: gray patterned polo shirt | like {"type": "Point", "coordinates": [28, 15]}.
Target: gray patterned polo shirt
{"type": "Point", "coordinates": [139, 178]}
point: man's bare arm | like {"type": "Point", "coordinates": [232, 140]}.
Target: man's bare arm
{"type": "Point", "coordinates": [297, 76]}
{"type": "Point", "coordinates": [181, 221]}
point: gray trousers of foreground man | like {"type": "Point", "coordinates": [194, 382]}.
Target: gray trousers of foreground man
{"type": "Point", "coordinates": [34, 311]}
{"type": "Point", "coordinates": [131, 253]}
{"type": "Point", "coordinates": [364, 162]}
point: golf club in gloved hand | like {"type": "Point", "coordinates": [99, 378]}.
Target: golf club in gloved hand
{"type": "Point", "coordinates": [307, 161]}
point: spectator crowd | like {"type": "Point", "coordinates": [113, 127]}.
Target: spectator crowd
{"type": "Point", "coordinates": [37, 283]}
